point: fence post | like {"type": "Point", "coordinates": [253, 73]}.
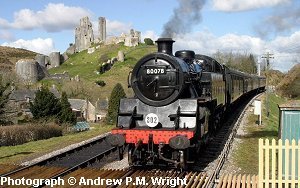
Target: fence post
{"type": "Point", "coordinates": [267, 163]}
{"type": "Point", "coordinates": [286, 163]}
{"type": "Point", "coordinates": [293, 162]}
{"type": "Point", "coordinates": [279, 163]}
{"type": "Point", "coordinates": [261, 162]}
{"type": "Point", "coordinates": [273, 147]}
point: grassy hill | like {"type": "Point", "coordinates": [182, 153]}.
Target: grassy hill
{"type": "Point", "coordinates": [275, 76]}
{"type": "Point", "coordinates": [290, 84]}
{"type": "Point", "coordinates": [9, 56]}
{"type": "Point", "coordinates": [86, 65]}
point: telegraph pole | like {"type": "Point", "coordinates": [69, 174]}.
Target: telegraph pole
{"type": "Point", "coordinates": [267, 56]}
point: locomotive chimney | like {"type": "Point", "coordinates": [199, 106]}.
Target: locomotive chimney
{"type": "Point", "coordinates": [165, 45]}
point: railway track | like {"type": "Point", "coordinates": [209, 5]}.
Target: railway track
{"type": "Point", "coordinates": [219, 148]}
{"type": "Point", "coordinates": [4, 168]}
{"type": "Point", "coordinates": [59, 166]}
{"type": "Point", "coordinates": [64, 163]}
{"type": "Point", "coordinates": [135, 178]}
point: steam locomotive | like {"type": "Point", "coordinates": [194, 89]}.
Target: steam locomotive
{"type": "Point", "coordinates": [179, 102]}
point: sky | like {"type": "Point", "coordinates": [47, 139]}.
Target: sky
{"type": "Point", "coordinates": [205, 26]}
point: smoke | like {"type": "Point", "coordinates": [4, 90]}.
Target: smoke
{"type": "Point", "coordinates": [282, 19]}
{"type": "Point", "coordinates": [184, 17]}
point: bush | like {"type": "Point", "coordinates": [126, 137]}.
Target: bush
{"type": "Point", "coordinates": [148, 41]}
{"type": "Point", "coordinates": [121, 43]}
{"type": "Point", "coordinates": [20, 134]}
{"type": "Point", "coordinates": [100, 83]}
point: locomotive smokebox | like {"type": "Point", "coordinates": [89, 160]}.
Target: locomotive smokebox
{"type": "Point", "coordinates": [165, 45]}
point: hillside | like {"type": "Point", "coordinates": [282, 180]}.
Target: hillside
{"type": "Point", "coordinates": [9, 56]}
{"type": "Point", "coordinates": [290, 84]}
{"type": "Point", "coordinates": [86, 66]}
{"type": "Point", "coordinates": [275, 77]}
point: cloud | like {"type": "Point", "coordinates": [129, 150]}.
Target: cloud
{"type": "Point", "coordinates": [53, 18]}
{"type": "Point", "coordinates": [286, 44]}
{"type": "Point", "coordinates": [285, 49]}
{"type": "Point", "coordinates": [114, 27]}
{"type": "Point", "coordinates": [208, 43]}
{"type": "Point", "coordinates": [244, 5]}
{"type": "Point", "coordinates": [149, 34]}
{"type": "Point", "coordinates": [282, 19]}
{"type": "Point", "coordinates": [7, 36]}
{"type": "Point", "coordinates": [39, 45]}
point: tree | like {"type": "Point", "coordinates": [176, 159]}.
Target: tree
{"type": "Point", "coordinates": [113, 103]}
{"type": "Point", "coordinates": [148, 41]}
{"type": "Point", "coordinates": [3, 98]}
{"type": "Point", "coordinates": [238, 61]}
{"type": "Point", "coordinates": [45, 104]}
{"type": "Point", "coordinates": [66, 114]}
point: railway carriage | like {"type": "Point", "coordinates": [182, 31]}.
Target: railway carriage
{"type": "Point", "coordinates": [179, 102]}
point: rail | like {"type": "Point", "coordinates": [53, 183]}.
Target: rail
{"type": "Point", "coordinates": [82, 164]}
{"type": "Point", "coordinates": [222, 157]}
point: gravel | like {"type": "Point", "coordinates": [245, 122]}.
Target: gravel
{"type": "Point", "coordinates": [229, 166]}
{"type": "Point", "coordinates": [118, 165]}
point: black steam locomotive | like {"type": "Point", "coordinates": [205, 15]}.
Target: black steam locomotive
{"type": "Point", "coordinates": [179, 101]}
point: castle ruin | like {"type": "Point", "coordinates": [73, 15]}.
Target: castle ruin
{"type": "Point", "coordinates": [102, 29]}
{"type": "Point", "coordinates": [84, 36]}
{"type": "Point", "coordinates": [133, 38]}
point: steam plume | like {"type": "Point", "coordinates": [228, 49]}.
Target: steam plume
{"type": "Point", "coordinates": [184, 17]}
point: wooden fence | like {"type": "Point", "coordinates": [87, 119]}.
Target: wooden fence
{"type": "Point", "coordinates": [279, 164]}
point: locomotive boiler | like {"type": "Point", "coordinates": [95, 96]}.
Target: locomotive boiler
{"type": "Point", "coordinates": [179, 102]}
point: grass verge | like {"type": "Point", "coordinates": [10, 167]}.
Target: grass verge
{"type": "Point", "coordinates": [20, 153]}
{"type": "Point", "coordinates": [246, 156]}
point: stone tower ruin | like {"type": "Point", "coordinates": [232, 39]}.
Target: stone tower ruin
{"type": "Point", "coordinates": [27, 70]}
{"type": "Point", "coordinates": [102, 29]}
{"type": "Point", "coordinates": [84, 35]}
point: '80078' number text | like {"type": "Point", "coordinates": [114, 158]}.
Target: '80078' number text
{"type": "Point", "coordinates": [156, 71]}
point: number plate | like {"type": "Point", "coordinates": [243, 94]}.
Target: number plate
{"type": "Point", "coordinates": [155, 71]}
{"type": "Point", "coordinates": [151, 120]}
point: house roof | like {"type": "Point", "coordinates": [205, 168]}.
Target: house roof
{"type": "Point", "coordinates": [55, 92]}
{"type": "Point", "coordinates": [20, 95]}
{"type": "Point", "coordinates": [77, 103]}
{"type": "Point", "coordinates": [23, 94]}
{"type": "Point", "coordinates": [290, 105]}
{"type": "Point", "coordinates": [102, 104]}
